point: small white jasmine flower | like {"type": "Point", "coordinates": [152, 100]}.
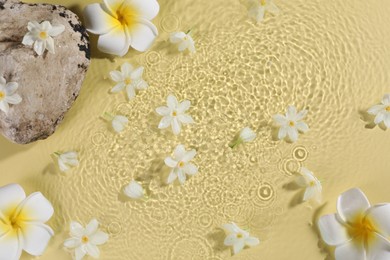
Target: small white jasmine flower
{"type": "Point", "coordinates": [184, 41]}
{"type": "Point", "coordinates": [84, 241]}
{"type": "Point", "coordinates": [291, 124]}
{"type": "Point", "coordinates": [238, 238]}
{"type": "Point", "coordinates": [134, 190]}
{"type": "Point", "coordinates": [8, 95]}
{"type": "Point", "coordinates": [118, 122]}
{"type": "Point", "coordinates": [382, 111]}
{"type": "Point", "coordinates": [67, 160]}
{"type": "Point", "coordinates": [258, 8]}
{"type": "Point", "coordinates": [128, 78]}
{"type": "Point", "coordinates": [358, 230]}
{"type": "Point", "coordinates": [246, 135]}
{"type": "Point", "coordinates": [312, 185]}
{"type": "Point", "coordinates": [174, 114]}
{"type": "Point", "coordinates": [180, 164]}
{"type": "Point", "coordinates": [22, 222]}
{"type": "Point", "coordinates": [40, 35]}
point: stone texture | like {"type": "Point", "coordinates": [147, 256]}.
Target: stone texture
{"type": "Point", "coordinates": [48, 84]}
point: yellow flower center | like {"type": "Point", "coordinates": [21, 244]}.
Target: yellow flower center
{"type": "Point", "coordinates": [181, 164]}
{"type": "Point", "coordinates": [388, 109]}
{"type": "Point", "coordinates": [14, 221]}
{"type": "Point", "coordinates": [2, 95]}
{"type": "Point", "coordinates": [263, 2]}
{"type": "Point", "coordinates": [312, 183]}
{"type": "Point", "coordinates": [239, 235]}
{"type": "Point", "coordinates": [127, 15]}
{"type": "Point", "coordinates": [127, 81]}
{"type": "Point", "coordinates": [174, 113]}
{"type": "Point", "coordinates": [362, 230]}
{"type": "Point", "coordinates": [85, 239]}
{"type": "Point", "coordinates": [43, 35]}
{"type": "Point", "coordinates": [291, 123]}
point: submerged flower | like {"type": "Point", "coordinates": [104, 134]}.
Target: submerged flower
{"type": "Point", "coordinates": [246, 135]}
{"type": "Point", "coordinates": [122, 23]}
{"type": "Point", "coordinates": [174, 114]}
{"type": "Point", "coordinates": [8, 95]}
{"type": "Point", "coordinates": [40, 35]}
{"type": "Point", "coordinates": [291, 124]}
{"type": "Point", "coordinates": [180, 164]}
{"type": "Point", "coordinates": [258, 8]}
{"type": "Point", "coordinates": [238, 238]}
{"type": "Point", "coordinates": [358, 230]}
{"type": "Point", "coordinates": [184, 41]}
{"type": "Point", "coordinates": [134, 190]}
{"type": "Point", "coordinates": [312, 185]}
{"type": "Point", "coordinates": [22, 222]}
{"type": "Point", "coordinates": [118, 122]}
{"type": "Point", "coordinates": [382, 111]}
{"type": "Point", "coordinates": [128, 78]}
{"type": "Point", "coordinates": [84, 241]}
{"type": "Point", "coordinates": [67, 160]}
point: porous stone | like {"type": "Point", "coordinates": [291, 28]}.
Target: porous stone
{"type": "Point", "coordinates": [48, 84]}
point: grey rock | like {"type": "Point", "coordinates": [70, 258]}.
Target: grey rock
{"type": "Point", "coordinates": [48, 84]}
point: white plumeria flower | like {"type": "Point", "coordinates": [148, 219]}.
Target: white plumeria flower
{"type": "Point", "coordinates": [134, 190]}
{"type": "Point", "coordinates": [382, 111]}
{"type": "Point", "coordinates": [174, 114]}
{"type": "Point", "coordinates": [180, 164]}
{"type": "Point", "coordinates": [128, 78]}
{"type": "Point", "coordinates": [184, 41]}
{"type": "Point", "coordinates": [118, 122]}
{"type": "Point", "coordinates": [358, 230]}
{"type": "Point", "coordinates": [258, 8]}
{"type": "Point", "coordinates": [8, 95]}
{"type": "Point", "coordinates": [291, 123]}
{"type": "Point", "coordinates": [22, 222]}
{"type": "Point", "coordinates": [40, 35]}
{"type": "Point", "coordinates": [246, 135]}
{"type": "Point", "coordinates": [84, 241]}
{"type": "Point", "coordinates": [67, 160]}
{"type": "Point", "coordinates": [312, 185]}
{"type": "Point", "coordinates": [238, 238]}
{"type": "Point", "coordinates": [122, 23]}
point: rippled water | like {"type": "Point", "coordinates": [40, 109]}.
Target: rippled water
{"type": "Point", "coordinates": [330, 57]}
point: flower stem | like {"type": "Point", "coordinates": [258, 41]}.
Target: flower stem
{"type": "Point", "coordinates": [189, 31]}
{"type": "Point", "coordinates": [108, 116]}
{"type": "Point", "coordinates": [56, 154]}
{"type": "Point", "coordinates": [235, 143]}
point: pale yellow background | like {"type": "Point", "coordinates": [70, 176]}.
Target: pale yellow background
{"type": "Point", "coordinates": [331, 57]}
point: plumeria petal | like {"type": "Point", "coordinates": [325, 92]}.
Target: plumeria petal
{"type": "Point", "coordinates": [143, 35]}
{"type": "Point", "coordinates": [11, 195]}
{"type": "Point", "coordinates": [36, 238]}
{"type": "Point", "coordinates": [333, 232]}
{"type": "Point", "coordinates": [150, 8]}
{"type": "Point", "coordinates": [350, 251]}
{"type": "Point", "coordinates": [351, 204]}
{"type": "Point", "coordinates": [379, 249]}
{"type": "Point", "coordinates": [97, 20]}
{"type": "Point", "coordinates": [11, 246]}
{"type": "Point", "coordinates": [35, 208]}
{"type": "Point", "coordinates": [115, 42]}
{"type": "Point", "coordinates": [380, 215]}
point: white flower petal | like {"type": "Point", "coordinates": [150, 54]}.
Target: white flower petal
{"type": "Point", "coordinates": [165, 122]}
{"type": "Point", "coordinates": [28, 39]}
{"type": "Point", "coordinates": [183, 46]}
{"type": "Point", "coordinates": [127, 69]}
{"type": "Point", "coordinates": [72, 243]}
{"type": "Point", "coordinates": [36, 238]}
{"type": "Point", "coordinates": [379, 249]}
{"type": "Point", "coordinates": [172, 177]}
{"type": "Point", "coordinates": [350, 251]}
{"type": "Point", "coordinates": [312, 192]}
{"type": "Point", "coordinates": [230, 227]}
{"type": "Point", "coordinates": [247, 135]}
{"type": "Point", "coordinates": [143, 35]}
{"type": "Point", "coordinates": [3, 82]}
{"type": "Point", "coordinates": [257, 12]}
{"type": "Point", "coordinates": [380, 215]}
{"type": "Point", "coordinates": [76, 229]}
{"type": "Point", "coordinates": [11, 87]}
{"type": "Point", "coordinates": [46, 26]}
{"type": "Point", "coordinates": [99, 238]}
{"type": "Point", "coordinates": [181, 176]}
{"type": "Point", "coordinates": [292, 133]}
{"type": "Point", "coordinates": [303, 127]}
{"type": "Point", "coordinates": [376, 109]}
{"type": "Point", "coordinates": [170, 162]}
{"type": "Point", "coordinates": [280, 119]}
{"type": "Point", "coordinates": [56, 30]}
{"type": "Point", "coordinates": [130, 91]}
{"type": "Point", "coordinates": [172, 102]}
{"type": "Point", "coordinates": [118, 87]}
{"type": "Point", "coordinates": [33, 25]}
{"type": "Point", "coordinates": [291, 112]}
{"type": "Point", "coordinates": [332, 231]}
{"type": "Point", "coordinates": [115, 42]}
{"type": "Point", "coordinates": [97, 21]}
{"type": "Point", "coordinates": [176, 127]}
{"type": "Point", "coordinates": [272, 8]}
{"type": "Point", "coordinates": [387, 120]}
{"type": "Point", "coordinates": [190, 169]}
{"type": "Point", "coordinates": [188, 156]}
{"type": "Point", "coordinates": [163, 111]}
{"type": "Point", "coordinates": [352, 203]}
{"type": "Point", "coordinates": [11, 195]}
{"type": "Point", "coordinates": [183, 106]}
{"type": "Point", "coordinates": [386, 99]}
{"type": "Point", "coordinates": [4, 107]}
{"type": "Point", "coordinates": [134, 190]}
{"type": "Point", "coordinates": [92, 250]}
{"type": "Point", "coordinates": [13, 99]}
{"type": "Point", "coordinates": [282, 132]}
{"type": "Point", "coordinates": [177, 37]}
{"type": "Point", "coordinates": [238, 246]}
{"type": "Point", "coordinates": [148, 8]}
{"type": "Point", "coordinates": [117, 76]}
{"type": "Point", "coordinates": [39, 47]}
{"type": "Point", "coordinates": [185, 119]}
{"type": "Point", "coordinates": [10, 246]}
{"type": "Point", "coordinates": [179, 152]}
{"type": "Point", "coordinates": [79, 253]}
{"type": "Point", "coordinates": [35, 208]}
{"type": "Point", "coordinates": [137, 73]}
{"type": "Point", "coordinates": [50, 45]}
{"type": "Point", "coordinates": [230, 239]}
{"type": "Point", "coordinates": [252, 241]}
{"type": "Point", "coordinates": [379, 117]}
{"type": "Point", "coordinates": [92, 227]}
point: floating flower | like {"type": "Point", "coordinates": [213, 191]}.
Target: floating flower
{"type": "Point", "coordinates": [258, 8]}
{"type": "Point", "coordinates": [358, 230]}
{"type": "Point", "coordinates": [8, 95]}
{"type": "Point", "coordinates": [40, 35]}
{"type": "Point", "coordinates": [122, 23]}
{"type": "Point", "coordinates": [180, 164]}
{"type": "Point", "coordinates": [184, 41]}
{"type": "Point", "coordinates": [238, 238]}
{"type": "Point", "coordinates": [382, 111]}
{"type": "Point", "coordinates": [246, 135]}
{"type": "Point", "coordinates": [312, 185]}
{"type": "Point", "coordinates": [128, 78]}
{"type": "Point", "coordinates": [67, 160]}
{"type": "Point", "coordinates": [291, 124]}
{"type": "Point", "coordinates": [174, 114]}
{"type": "Point", "coordinates": [118, 122]}
{"type": "Point", "coordinates": [84, 241]}
{"type": "Point", "coordinates": [22, 222]}
{"type": "Point", "coordinates": [134, 190]}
